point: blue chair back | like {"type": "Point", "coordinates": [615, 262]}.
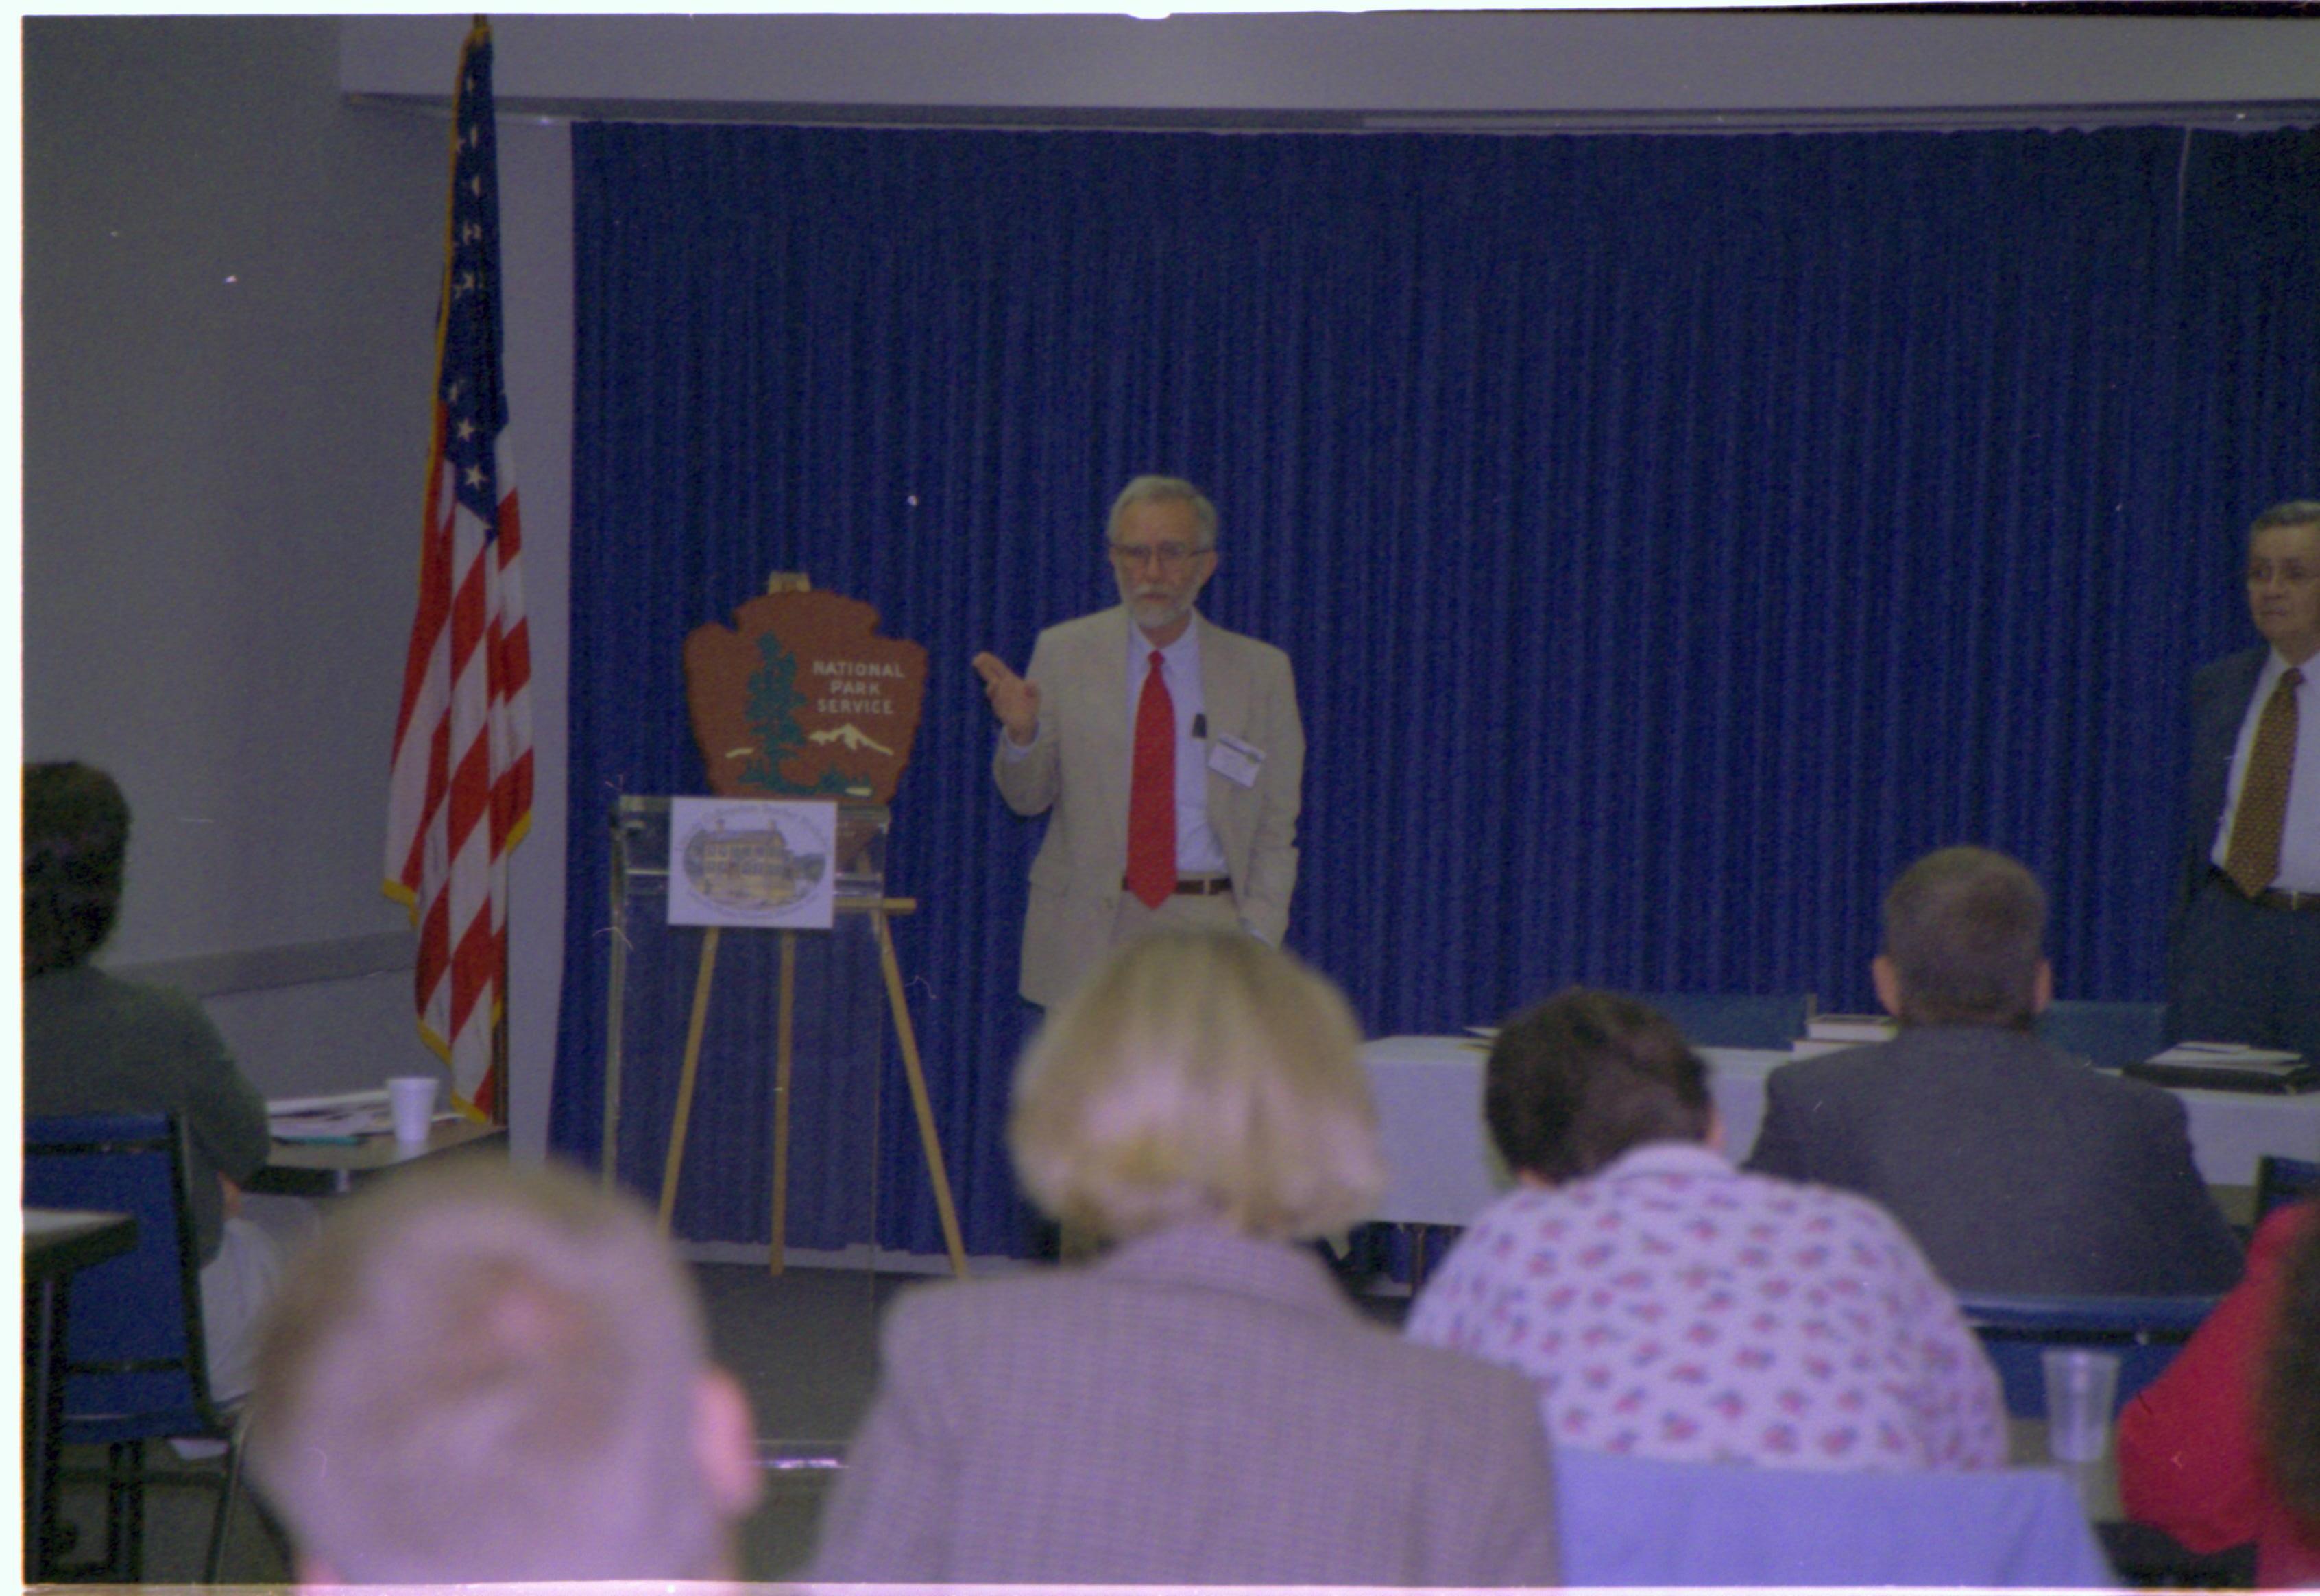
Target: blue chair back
{"type": "Point", "coordinates": [1735, 1019]}
{"type": "Point", "coordinates": [2111, 1035]}
{"type": "Point", "coordinates": [2145, 1332]}
{"type": "Point", "coordinates": [2280, 1182]}
{"type": "Point", "coordinates": [135, 1366]}
{"type": "Point", "coordinates": [1642, 1521]}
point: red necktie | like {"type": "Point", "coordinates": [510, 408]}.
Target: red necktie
{"type": "Point", "coordinates": [1152, 794]}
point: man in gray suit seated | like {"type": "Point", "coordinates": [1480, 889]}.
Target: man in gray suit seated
{"type": "Point", "coordinates": [2015, 1167]}
{"type": "Point", "coordinates": [482, 1374]}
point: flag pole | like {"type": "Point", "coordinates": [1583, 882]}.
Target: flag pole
{"type": "Point", "coordinates": [501, 1082]}
{"type": "Point", "coordinates": [500, 1051]}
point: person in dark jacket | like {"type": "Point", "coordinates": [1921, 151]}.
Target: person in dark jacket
{"type": "Point", "coordinates": [2015, 1167]}
{"type": "Point", "coordinates": [2243, 947]}
{"type": "Point", "coordinates": [97, 1045]}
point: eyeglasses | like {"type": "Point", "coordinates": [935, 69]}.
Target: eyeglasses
{"type": "Point", "coordinates": [1168, 556]}
{"type": "Point", "coordinates": [2262, 571]}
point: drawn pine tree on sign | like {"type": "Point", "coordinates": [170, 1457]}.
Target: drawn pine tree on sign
{"type": "Point", "coordinates": [774, 704]}
{"type": "Point", "coordinates": [774, 700]}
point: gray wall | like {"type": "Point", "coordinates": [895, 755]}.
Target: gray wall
{"type": "Point", "coordinates": [230, 276]}
{"type": "Point", "coordinates": [229, 290]}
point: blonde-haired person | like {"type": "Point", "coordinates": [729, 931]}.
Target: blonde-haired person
{"type": "Point", "coordinates": [1201, 1405]}
{"type": "Point", "coordinates": [483, 1373]}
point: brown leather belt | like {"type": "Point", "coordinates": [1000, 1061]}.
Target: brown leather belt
{"type": "Point", "coordinates": [1197, 886]}
{"type": "Point", "coordinates": [2271, 897]}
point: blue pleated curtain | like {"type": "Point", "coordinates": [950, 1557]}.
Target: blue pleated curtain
{"type": "Point", "coordinates": [1673, 536]}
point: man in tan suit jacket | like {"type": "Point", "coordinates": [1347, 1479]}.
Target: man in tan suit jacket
{"type": "Point", "coordinates": [1067, 739]}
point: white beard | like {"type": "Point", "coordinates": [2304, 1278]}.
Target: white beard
{"type": "Point", "coordinates": [1153, 614]}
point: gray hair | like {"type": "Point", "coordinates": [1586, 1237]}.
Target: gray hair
{"type": "Point", "coordinates": [485, 1373]}
{"type": "Point", "coordinates": [1165, 490]}
{"type": "Point", "coordinates": [2287, 512]}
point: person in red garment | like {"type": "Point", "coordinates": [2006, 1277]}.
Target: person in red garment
{"type": "Point", "coordinates": [2224, 1448]}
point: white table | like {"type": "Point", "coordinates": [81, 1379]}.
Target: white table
{"type": "Point", "coordinates": [316, 1169]}
{"type": "Point", "coordinates": [1429, 1098]}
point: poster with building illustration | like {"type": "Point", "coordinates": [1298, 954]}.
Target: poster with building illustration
{"type": "Point", "coordinates": [761, 862]}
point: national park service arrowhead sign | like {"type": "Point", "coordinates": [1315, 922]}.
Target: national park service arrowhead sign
{"type": "Point", "coordinates": [801, 698]}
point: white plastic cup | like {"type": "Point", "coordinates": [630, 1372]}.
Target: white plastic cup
{"type": "Point", "coordinates": [413, 1100]}
{"type": "Point", "coordinates": [2081, 1389]}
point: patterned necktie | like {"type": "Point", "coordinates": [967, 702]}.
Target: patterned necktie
{"type": "Point", "coordinates": [1152, 794]}
{"type": "Point", "coordinates": [2252, 857]}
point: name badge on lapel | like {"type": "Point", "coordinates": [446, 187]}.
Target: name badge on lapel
{"type": "Point", "coordinates": [1237, 761]}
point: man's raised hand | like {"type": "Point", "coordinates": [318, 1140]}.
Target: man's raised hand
{"type": "Point", "coordinates": [1013, 700]}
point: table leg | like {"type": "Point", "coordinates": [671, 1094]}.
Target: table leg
{"type": "Point", "coordinates": [919, 1102]}
{"type": "Point", "coordinates": [43, 1418]}
{"type": "Point", "coordinates": [783, 1041]}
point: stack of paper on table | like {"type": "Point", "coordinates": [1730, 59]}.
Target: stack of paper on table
{"type": "Point", "coordinates": [1833, 1033]}
{"type": "Point", "coordinates": [339, 1118]}
{"type": "Point", "coordinates": [2227, 1067]}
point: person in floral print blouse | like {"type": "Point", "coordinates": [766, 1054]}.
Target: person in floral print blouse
{"type": "Point", "coordinates": [1667, 1305]}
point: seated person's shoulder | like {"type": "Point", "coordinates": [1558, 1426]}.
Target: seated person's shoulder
{"type": "Point", "coordinates": [87, 1000]}
{"type": "Point", "coordinates": [1481, 1410]}
{"type": "Point", "coordinates": [998, 1317]}
{"type": "Point", "coordinates": [1822, 1070]}
{"type": "Point", "coordinates": [2129, 1096]}
{"type": "Point", "coordinates": [1837, 1215]}
{"type": "Point", "coordinates": [1467, 1376]}
{"type": "Point", "coordinates": [943, 1307]}
{"type": "Point", "coordinates": [1365, 1350]}
{"type": "Point", "coordinates": [168, 1005]}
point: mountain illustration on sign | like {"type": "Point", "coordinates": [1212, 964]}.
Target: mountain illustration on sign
{"type": "Point", "coordinates": [849, 737]}
{"type": "Point", "coordinates": [774, 700]}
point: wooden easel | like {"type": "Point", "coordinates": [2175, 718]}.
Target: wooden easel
{"type": "Point", "coordinates": [878, 909]}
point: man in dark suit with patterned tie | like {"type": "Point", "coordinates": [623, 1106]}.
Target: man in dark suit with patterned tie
{"type": "Point", "coordinates": [1165, 752]}
{"type": "Point", "coordinates": [2243, 960]}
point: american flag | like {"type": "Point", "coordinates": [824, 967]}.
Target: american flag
{"type": "Point", "coordinates": [459, 797]}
